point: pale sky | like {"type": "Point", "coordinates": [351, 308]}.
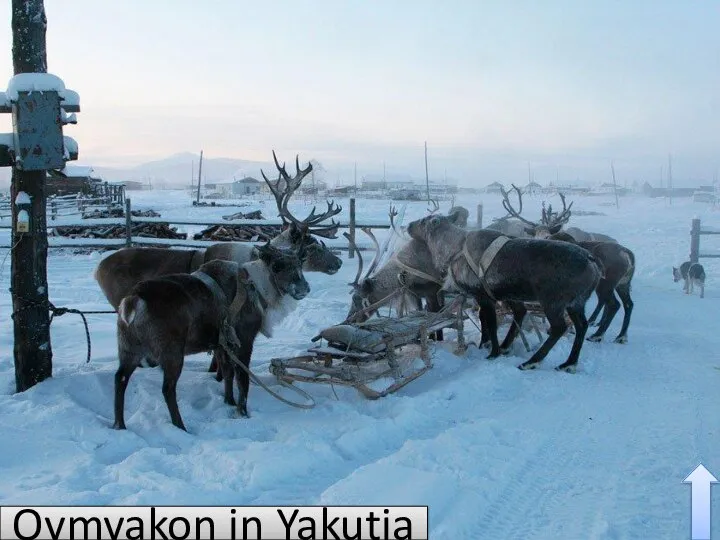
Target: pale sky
{"type": "Point", "coordinates": [492, 86]}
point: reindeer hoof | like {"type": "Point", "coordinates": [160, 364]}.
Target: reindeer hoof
{"type": "Point", "coordinates": [493, 355]}
{"type": "Point", "coordinates": [572, 368]}
{"type": "Point", "coordinates": [595, 339]}
{"type": "Point", "coordinates": [621, 339]}
{"type": "Point", "coordinates": [525, 366]}
{"type": "Point", "coordinates": [119, 426]}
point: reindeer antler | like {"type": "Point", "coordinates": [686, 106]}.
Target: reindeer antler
{"type": "Point", "coordinates": [509, 207]}
{"type": "Point", "coordinates": [551, 218]}
{"type": "Point", "coordinates": [378, 251]}
{"type": "Point", "coordinates": [354, 248]}
{"type": "Point", "coordinates": [436, 206]}
{"type": "Point", "coordinates": [283, 193]}
{"type": "Point", "coordinates": [393, 214]}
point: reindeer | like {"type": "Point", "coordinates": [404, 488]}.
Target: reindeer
{"type": "Point", "coordinates": [618, 264]}
{"type": "Point", "coordinates": [693, 274]}
{"type": "Point", "coordinates": [406, 279]}
{"type": "Point", "coordinates": [122, 270]}
{"type": "Point", "coordinates": [514, 224]}
{"type": "Point", "coordinates": [164, 319]}
{"type": "Point", "coordinates": [492, 267]}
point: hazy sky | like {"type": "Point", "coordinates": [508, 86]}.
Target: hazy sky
{"type": "Point", "coordinates": [492, 86]}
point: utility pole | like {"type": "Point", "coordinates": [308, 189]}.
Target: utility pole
{"type": "Point", "coordinates": [355, 178]}
{"type": "Point", "coordinates": [36, 116]}
{"type": "Point", "coordinates": [199, 177]}
{"type": "Point", "coordinates": [427, 177]}
{"type": "Point", "coordinates": [612, 168]}
{"type": "Point", "coordinates": [384, 180]}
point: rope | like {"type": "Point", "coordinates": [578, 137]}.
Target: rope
{"type": "Point", "coordinates": [228, 337]}
{"type": "Point", "coordinates": [60, 311]}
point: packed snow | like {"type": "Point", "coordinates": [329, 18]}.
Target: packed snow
{"type": "Point", "coordinates": [494, 452]}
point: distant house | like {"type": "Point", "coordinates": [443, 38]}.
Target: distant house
{"type": "Point", "coordinates": [246, 186]}
{"type": "Point", "coordinates": [495, 187]}
{"type": "Point", "coordinates": [72, 179]}
{"type": "Point", "coordinates": [237, 188]}
{"type": "Point", "coordinates": [532, 188]}
{"type": "Point", "coordinates": [309, 187]}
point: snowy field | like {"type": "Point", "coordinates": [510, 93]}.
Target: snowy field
{"type": "Point", "coordinates": [495, 452]}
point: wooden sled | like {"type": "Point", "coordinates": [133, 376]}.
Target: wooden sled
{"type": "Point", "coordinates": [376, 357]}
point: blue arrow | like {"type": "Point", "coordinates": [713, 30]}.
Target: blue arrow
{"type": "Point", "coordinates": [700, 480]}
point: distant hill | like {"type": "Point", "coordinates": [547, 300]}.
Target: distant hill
{"type": "Point", "coordinates": [177, 170]}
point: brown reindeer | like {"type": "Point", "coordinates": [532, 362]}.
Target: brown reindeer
{"type": "Point", "coordinates": [491, 267]}
{"type": "Point", "coordinates": [164, 319]}
{"type": "Point", "coordinates": [618, 263]}
{"type": "Point", "coordinates": [122, 270]}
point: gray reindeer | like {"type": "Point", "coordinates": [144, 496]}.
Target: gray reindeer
{"type": "Point", "coordinates": [492, 267]}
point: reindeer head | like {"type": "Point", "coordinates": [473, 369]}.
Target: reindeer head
{"type": "Point", "coordinates": [551, 222]}
{"type": "Point", "coordinates": [421, 229]}
{"type": "Point", "coordinates": [677, 275]}
{"type": "Point", "coordinates": [319, 257]}
{"type": "Point", "coordinates": [299, 233]}
{"type": "Point", "coordinates": [363, 287]}
{"type": "Point", "coordinates": [285, 267]}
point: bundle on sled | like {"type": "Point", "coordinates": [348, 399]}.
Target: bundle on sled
{"type": "Point", "coordinates": [378, 356]}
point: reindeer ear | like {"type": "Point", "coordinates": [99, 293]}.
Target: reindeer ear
{"type": "Point", "coordinates": [555, 228]}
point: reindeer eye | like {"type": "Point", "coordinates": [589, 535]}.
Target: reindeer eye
{"type": "Point", "coordinates": [278, 267]}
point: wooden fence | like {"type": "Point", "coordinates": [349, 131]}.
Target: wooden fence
{"type": "Point", "coordinates": [129, 240]}
{"type": "Point", "coordinates": [696, 232]}
{"type": "Point", "coordinates": [69, 205]}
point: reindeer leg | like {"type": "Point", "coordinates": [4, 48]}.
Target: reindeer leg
{"type": "Point", "coordinates": [484, 335]}
{"type": "Point", "coordinates": [558, 326]}
{"type": "Point", "coordinates": [172, 364]}
{"type": "Point", "coordinates": [596, 312]}
{"type": "Point", "coordinates": [519, 310]}
{"type": "Point", "coordinates": [577, 316]}
{"type": "Point", "coordinates": [243, 379]}
{"type": "Point", "coordinates": [607, 292]}
{"type": "Point", "coordinates": [624, 294]}
{"type": "Point", "coordinates": [686, 286]}
{"type": "Point", "coordinates": [228, 375]}
{"type": "Point", "coordinates": [434, 304]}
{"type": "Point", "coordinates": [122, 377]}
{"type": "Point", "coordinates": [487, 307]}
{"type": "Point", "coordinates": [702, 290]}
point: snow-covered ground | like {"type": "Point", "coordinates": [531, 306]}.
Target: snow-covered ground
{"type": "Point", "coordinates": [495, 452]}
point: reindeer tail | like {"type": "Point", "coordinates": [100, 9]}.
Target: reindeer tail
{"type": "Point", "coordinates": [130, 307]}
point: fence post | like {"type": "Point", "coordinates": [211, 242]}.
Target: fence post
{"type": "Point", "coordinates": [479, 215]}
{"type": "Point", "coordinates": [695, 241]}
{"type": "Point", "coordinates": [351, 227]}
{"type": "Point", "coordinates": [128, 224]}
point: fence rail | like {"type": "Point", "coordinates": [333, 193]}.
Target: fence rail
{"type": "Point", "coordinates": [696, 231]}
{"type": "Point", "coordinates": [129, 240]}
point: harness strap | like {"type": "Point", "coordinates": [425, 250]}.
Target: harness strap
{"type": "Point", "coordinates": [215, 289]}
{"type": "Point", "coordinates": [486, 260]}
{"type": "Point", "coordinates": [418, 273]}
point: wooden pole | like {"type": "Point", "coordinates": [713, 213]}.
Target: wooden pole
{"type": "Point", "coordinates": [199, 177]}
{"type": "Point", "coordinates": [351, 228]}
{"type": "Point", "coordinates": [31, 316]}
{"type": "Point", "coordinates": [427, 176]}
{"type": "Point", "coordinates": [128, 223]}
{"type": "Point", "coordinates": [695, 241]}
{"type": "Point", "coordinates": [479, 215]}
